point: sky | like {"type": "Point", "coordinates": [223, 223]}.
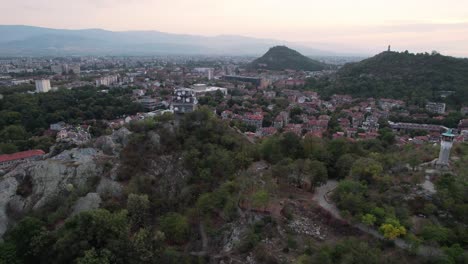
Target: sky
{"type": "Point", "coordinates": [363, 26]}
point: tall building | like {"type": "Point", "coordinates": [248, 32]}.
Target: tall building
{"type": "Point", "coordinates": [107, 80]}
{"type": "Point", "coordinates": [42, 86]}
{"type": "Point", "coordinates": [446, 144]}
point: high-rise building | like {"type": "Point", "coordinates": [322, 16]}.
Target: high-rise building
{"type": "Point", "coordinates": [42, 86]}
{"type": "Point", "coordinates": [446, 144]}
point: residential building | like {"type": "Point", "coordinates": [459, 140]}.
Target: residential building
{"type": "Point", "coordinates": [253, 120]}
{"type": "Point", "coordinates": [148, 103]}
{"type": "Point", "coordinates": [42, 86]}
{"type": "Point", "coordinates": [438, 108]}
{"type": "Point", "coordinates": [107, 80]}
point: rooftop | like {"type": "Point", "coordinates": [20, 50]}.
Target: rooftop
{"type": "Point", "coordinates": [21, 155]}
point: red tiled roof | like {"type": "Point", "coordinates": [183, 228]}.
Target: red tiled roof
{"type": "Point", "coordinates": [21, 155]}
{"type": "Point", "coordinates": [254, 117]}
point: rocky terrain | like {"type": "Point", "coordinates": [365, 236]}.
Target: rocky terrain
{"type": "Point", "coordinates": [31, 186]}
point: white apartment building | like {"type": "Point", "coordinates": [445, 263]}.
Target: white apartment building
{"type": "Point", "coordinates": [43, 86]}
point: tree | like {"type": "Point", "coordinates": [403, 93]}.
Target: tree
{"type": "Point", "coordinates": [260, 199]}
{"type": "Point", "coordinates": [12, 133]}
{"type": "Point", "coordinates": [8, 254]}
{"type": "Point", "coordinates": [343, 165]}
{"type": "Point", "coordinates": [175, 227]}
{"type": "Point", "coordinates": [349, 195]}
{"type": "Point", "coordinates": [93, 257]}
{"type": "Point", "coordinates": [138, 209]}
{"type": "Point", "coordinates": [98, 229]}
{"type": "Point", "coordinates": [392, 229]}
{"type": "Point", "coordinates": [368, 219]}
{"type": "Point", "coordinates": [366, 169]}
{"type": "Point", "coordinates": [437, 233]}
{"type": "Point", "coordinates": [147, 246]}
{"type": "Point", "coordinates": [319, 173]}
{"type": "Point", "coordinates": [23, 236]}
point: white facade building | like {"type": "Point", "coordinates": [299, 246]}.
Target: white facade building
{"type": "Point", "coordinates": [42, 86]}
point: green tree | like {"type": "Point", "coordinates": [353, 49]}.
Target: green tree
{"type": "Point", "coordinates": [368, 219]}
{"type": "Point", "coordinates": [175, 227]}
{"type": "Point", "coordinates": [392, 229]}
{"type": "Point", "coordinates": [93, 257]}
{"type": "Point", "coordinates": [366, 169]}
{"type": "Point", "coordinates": [138, 207]}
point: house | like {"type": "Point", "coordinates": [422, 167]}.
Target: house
{"type": "Point", "coordinates": [253, 120]}
{"type": "Point", "coordinates": [267, 131]}
{"type": "Point", "coordinates": [226, 114]}
{"type": "Point", "coordinates": [278, 122]}
{"type": "Point", "coordinates": [10, 160]}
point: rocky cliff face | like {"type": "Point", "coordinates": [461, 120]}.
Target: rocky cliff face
{"type": "Point", "coordinates": [34, 185]}
{"type": "Point", "coordinates": [30, 186]}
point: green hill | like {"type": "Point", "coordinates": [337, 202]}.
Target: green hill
{"type": "Point", "coordinates": [280, 58]}
{"type": "Point", "coordinates": [416, 77]}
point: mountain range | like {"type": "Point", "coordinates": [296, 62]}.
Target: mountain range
{"type": "Point", "coordinates": [18, 40]}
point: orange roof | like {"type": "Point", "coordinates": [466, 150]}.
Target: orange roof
{"type": "Point", "coordinates": [21, 155]}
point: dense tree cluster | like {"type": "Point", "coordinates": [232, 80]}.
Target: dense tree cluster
{"type": "Point", "coordinates": [23, 117]}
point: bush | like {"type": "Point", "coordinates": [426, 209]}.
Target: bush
{"type": "Point", "coordinates": [175, 227]}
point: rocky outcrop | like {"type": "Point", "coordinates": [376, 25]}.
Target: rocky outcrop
{"type": "Point", "coordinates": [109, 188]}
{"type": "Point", "coordinates": [121, 136]}
{"type": "Point", "coordinates": [170, 174]}
{"type": "Point", "coordinates": [31, 185]}
{"type": "Point", "coordinates": [113, 144]}
{"type": "Point", "coordinates": [89, 202]}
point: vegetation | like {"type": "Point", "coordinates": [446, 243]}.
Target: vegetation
{"type": "Point", "coordinates": [414, 78]}
{"type": "Point", "coordinates": [281, 58]}
{"type": "Point", "coordinates": [213, 184]}
{"type": "Point", "coordinates": [24, 117]}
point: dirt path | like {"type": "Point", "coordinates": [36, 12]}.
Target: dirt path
{"type": "Point", "coordinates": [322, 197]}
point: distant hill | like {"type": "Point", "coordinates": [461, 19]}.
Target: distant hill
{"type": "Point", "coordinates": [281, 57]}
{"type": "Point", "coordinates": [37, 41]}
{"type": "Point", "coordinates": [416, 77]}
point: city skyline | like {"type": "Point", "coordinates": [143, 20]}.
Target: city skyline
{"type": "Point", "coordinates": [362, 26]}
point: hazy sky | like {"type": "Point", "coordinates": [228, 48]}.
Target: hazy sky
{"type": "Point", "coordinates": [350, 25]}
